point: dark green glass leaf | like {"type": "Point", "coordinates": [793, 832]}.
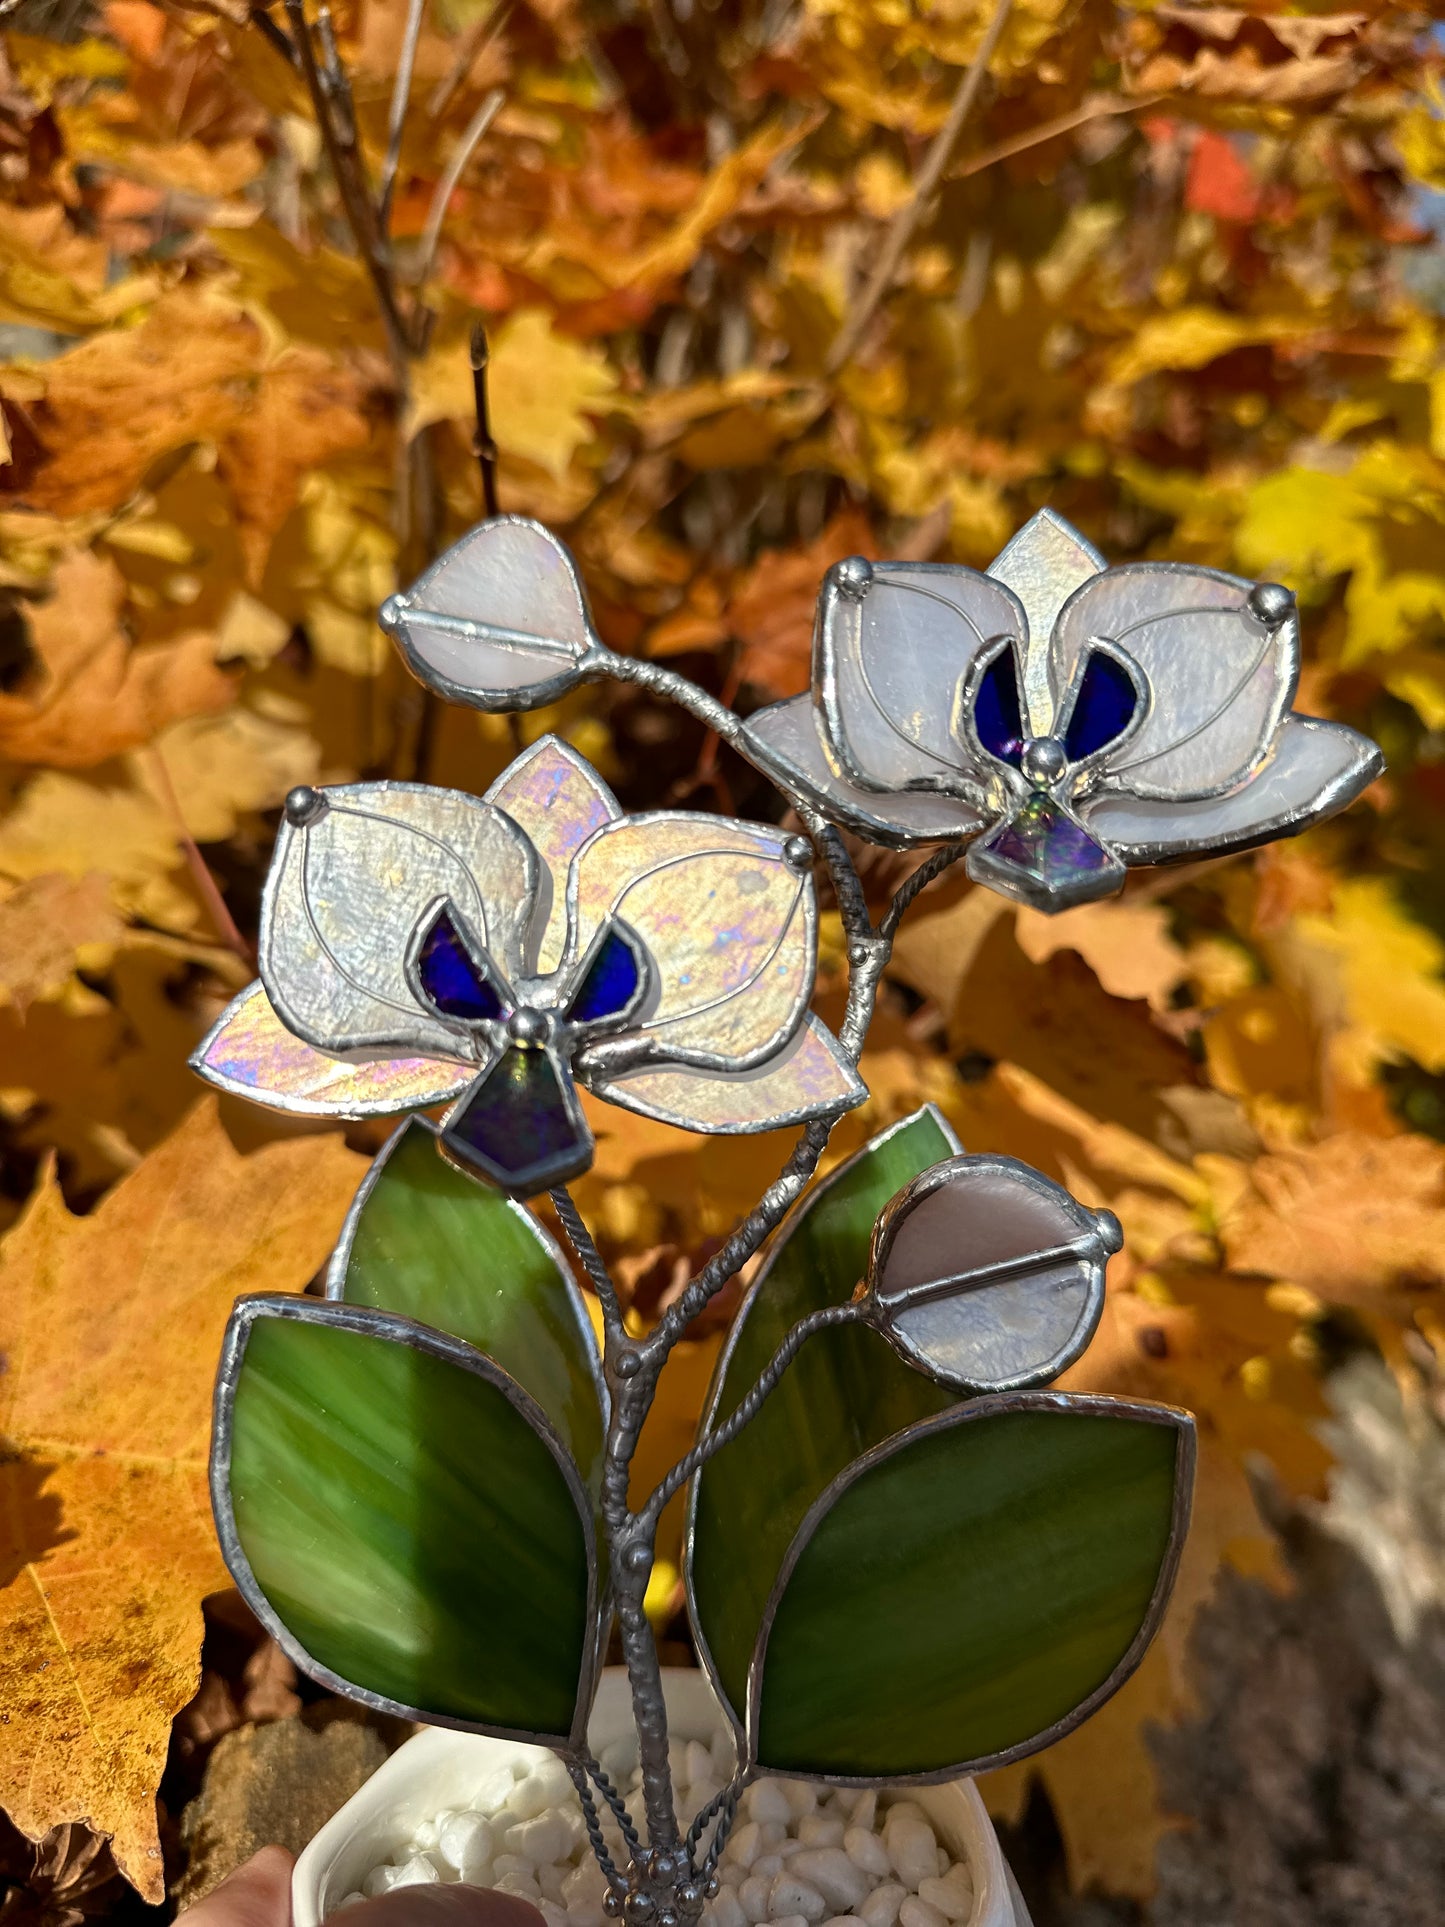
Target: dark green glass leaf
{"type": "Point", "coordinates": [425, 1240]}
{"type": "Point", "coordinates": [846, 1392]}
{"type": "Point", "coordinates": [974, 1588]}
{"type": "Point", "coordinates": [402, 1521]}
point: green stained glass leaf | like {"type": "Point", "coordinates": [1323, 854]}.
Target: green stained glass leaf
{"type": "Point", "coordinates": [426, 1240]}
{"type": "Point", "coordinates": [974, 1588]}
{"type": "Point", "coordinates": [399, 1514]}
{"type": "Point", "coordinates": [846, 1392]}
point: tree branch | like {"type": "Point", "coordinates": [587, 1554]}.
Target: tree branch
{"type": "Point", "coordinates": [351, 185]}
{"type": "Point", "coordinates": [480, 121]}
{"type": "Point", "coordinates": [908, 216]}
{"type": "Point", "coordinates": [1101, 109]}
{"type": "Point", "coordinates": [396, 118]}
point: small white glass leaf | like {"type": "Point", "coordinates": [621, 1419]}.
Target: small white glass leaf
{"type": "Point", "coordinates": [807, 1077]}
{"type": "Point", "coordinates": [727, 924]}
{"type": "Point", "coordinates": [1317, 768]}
{"type": "Point", "coordinates": [346, 892]}
{"type": "Point", "coordinates": [888, 666]}
{"type": "Point", "coordinates": [499, 621]}
{"type": "Point", "coordinates": [559, 800]}
{"type": "Point", "coordinates": [1219, 681]}
{"type": "Point", "coordinates": [784, 742]}
{"type": "Point", "coordinates": [250, 1053]}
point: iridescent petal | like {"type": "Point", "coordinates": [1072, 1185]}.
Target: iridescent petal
{"type": "Point", "coordinates": [1219, 680]}
{"type": "Point", "coordinates": [499, 621]}
{"type": "Point", "coordinates": [784, 742]}
{"type": "Point", "coordinates": [347, 890]}
{"type": "Point", "coordinates": [250, 1053]}
{"type": "Point", "coordinates": [557, 797]}
{"type": "Point", "coordinates": [1316, 769]}
{"type": "Point", "coordinates": [809, 1077]}
{"type": "Point", "coordinates": [888, 662]}
{"type": "Point", "coordinates": [728, 926]}
{"type": "Point", "coordinates": [1044, 564]}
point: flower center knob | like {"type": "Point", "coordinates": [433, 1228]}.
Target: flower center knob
{"type": "Point", "coordinates": [1043, 761]}
{"type": "Point", "coordinates": [529, 1028]}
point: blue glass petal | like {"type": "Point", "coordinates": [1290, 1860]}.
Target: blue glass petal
{"type": "Point", "coordinates": [611, 982]}
{"type": "Point", "coordinates": [1103, 708]}
{"type": "Point", "coordinates": [450, 980]}
{"type": "Point", "coordinates": [997, 712]}
{"type": "Point", "coordinates": [516, 1126]}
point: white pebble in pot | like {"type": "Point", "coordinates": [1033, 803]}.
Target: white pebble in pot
{"type": "Point", "coordinates": [798, 1856]}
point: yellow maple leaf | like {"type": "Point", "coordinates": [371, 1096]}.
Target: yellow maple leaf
{"type": "Point", "coordinates": [111, 1325]}
{"type": "Point", "coordinates": [1385, 982]}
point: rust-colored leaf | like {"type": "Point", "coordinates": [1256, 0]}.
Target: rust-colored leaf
{"type": "Point", "coordinates": [109, 1328]}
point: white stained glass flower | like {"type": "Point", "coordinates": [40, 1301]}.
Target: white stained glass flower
{"type": "Point", "coordinates": [420, 945]}
{"type": "Point", "coordinates": [1067, 718]}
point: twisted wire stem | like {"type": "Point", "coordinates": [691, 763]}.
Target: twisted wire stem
{"type": "Point", "coordinates": [724, 1805]}
{"type": "Point", "coordinates": [764, 1385]}
{"type": "Point", "coordinates": [588, 1256]}
{"type": "Point", "coordinates": [618, 1807]}
{"type": "Point", "coordinates": [578, 1771]}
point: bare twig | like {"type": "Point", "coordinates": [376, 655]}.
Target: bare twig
{"type": "Point", "coordinates": [477, 126]}
{"type": "Point", "coordinates": [396, 119]}
{"type": "Point", "coordinates": [909, 215]}
{"type": "Point", "coordinates": [349, 175]}
{"type": "Point", "coordinates": [268, 29]}
{"type": "Point", "coordinates": [1102, 109]}
{"type": "Point", "coordinates": [483, 442]}
{"type": "Point", "coordinates": [207, 888]}
{"type": "Point", "coordinates": [470, 43]}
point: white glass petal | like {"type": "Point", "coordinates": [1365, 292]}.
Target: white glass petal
{"type": "Point", "coordinates": [728, 925]}
{"type": "Point", "coordinates": [559, 800]}
{"type": "Point", "coordinates": [347, 891]}
{"type": "Point", "coordinates": [1044, 564]}
{"type": "Point", "coordinates": [784, 742]}
{"type": "Point", "coordinates": [889, 664]}
{"type": "Point", "coordinates": [806, 1078]}
{"type": "Point", "coordinates": [499, 621]}
{"type": "Point", "coordinates": [1317, 768]}
{"type": "Point", "coordinates": [250, 1053]}
{"type": "Point", "coordinates": [1219, 680]}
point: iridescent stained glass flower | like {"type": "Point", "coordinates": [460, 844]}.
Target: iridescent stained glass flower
{"type": "Point", "coordinates": [1066, 718]}
{"type": "Point", "coordinates": [421, 946]}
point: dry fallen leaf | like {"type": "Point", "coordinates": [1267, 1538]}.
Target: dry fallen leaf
{"type": "Point", "coordinates": [96, 693]}
{"type": "Point", "coordinates": [50, 925]}
{"type": "Point", "coordinates": [1358, 1220]}
{"type": "Point", "coordinates": [306, 410]}
{"type": "Point", "coordinates": [119, 401]}
{"type": "Point", "coordinates": [110, 1327]}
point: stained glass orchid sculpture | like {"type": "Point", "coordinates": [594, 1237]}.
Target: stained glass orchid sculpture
{"type": "Point", "coordinates": [1067, 718]}
{"type": "Point", "coordinates": [420, 945]}
{"type": "Point", "coordinates": [906, 1558]}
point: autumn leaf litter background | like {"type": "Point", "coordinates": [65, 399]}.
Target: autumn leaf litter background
{"type": "Point", "coordinates": [1180, 281]}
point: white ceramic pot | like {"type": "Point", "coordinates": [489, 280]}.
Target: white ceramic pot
{"type": "Point", "coordinates": [440, 1768]}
